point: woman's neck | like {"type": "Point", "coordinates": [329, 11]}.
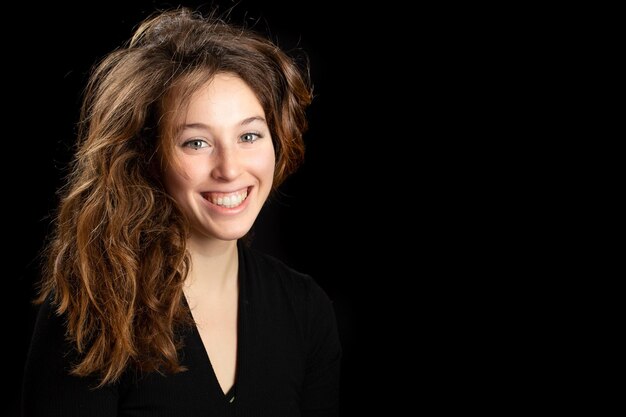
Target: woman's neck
{"type": "Point", "coordinates": [214, 266]}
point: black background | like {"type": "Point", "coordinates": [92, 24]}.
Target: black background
{"type": "Point", "coordinates": [311, 224]}
{"type": "Point", "coordinates": [412, 209]}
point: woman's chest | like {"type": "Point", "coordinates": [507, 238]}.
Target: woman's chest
{"type": "Point", "coordinates": [270, 369]}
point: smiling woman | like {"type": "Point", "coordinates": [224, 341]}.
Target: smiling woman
{"type": "Point", "coordinates": [151, 305]}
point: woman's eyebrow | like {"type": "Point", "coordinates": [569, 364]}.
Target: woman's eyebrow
{"type": "Point", "coordinates": [244, 122]}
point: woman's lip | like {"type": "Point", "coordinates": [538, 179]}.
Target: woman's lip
{"type": "Point", "coordinates": [208, 194]}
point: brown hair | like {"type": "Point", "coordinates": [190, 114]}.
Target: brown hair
{"type": "Point", "coordinates": [117, 259]}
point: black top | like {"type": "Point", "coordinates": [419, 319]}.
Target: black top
{"type": "Point", "coordinates": [288, 359]}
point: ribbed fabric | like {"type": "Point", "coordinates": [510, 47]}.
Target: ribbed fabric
{"type": "Point", "coordinates": [287, 360]}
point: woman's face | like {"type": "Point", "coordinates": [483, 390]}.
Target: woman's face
{"type": "Point", "coordinates": [225, 160]}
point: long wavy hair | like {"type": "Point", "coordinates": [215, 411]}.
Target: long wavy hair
{"type": "Point", "coordinates": [117, 259]}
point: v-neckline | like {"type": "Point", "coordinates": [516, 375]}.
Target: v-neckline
{"type": "Point", "coordinates": [238, 355]}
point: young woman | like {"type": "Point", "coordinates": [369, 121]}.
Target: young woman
{"type": "Point", "coordinates": [151, 303]}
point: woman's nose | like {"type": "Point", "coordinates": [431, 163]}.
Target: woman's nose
{"type": "Point", "coordinates": [227, 166]}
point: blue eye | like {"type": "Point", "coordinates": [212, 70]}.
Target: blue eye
{"type": "Point", "coordinates": [250, 137]}
{"type": "Point", "coordinates": [195, 144]}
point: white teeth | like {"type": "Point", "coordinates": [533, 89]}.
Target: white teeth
{"type": "Point", "coordinates": [229, 201]}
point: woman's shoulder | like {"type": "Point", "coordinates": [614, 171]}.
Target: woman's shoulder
{"type": "Point", "coordinates": [264, 270]}
{"type": "Point", "coordinates": [49, 342]}
{"type": "Point", "coordinates": [283, 292]}
{"type": "Point", "coordinates": [265, 263]}
{"type": "Point", "coordinates": [49, 325]}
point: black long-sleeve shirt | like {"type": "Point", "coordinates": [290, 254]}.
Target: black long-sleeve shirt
{"type": "Point", "coordinates": [288, 359]}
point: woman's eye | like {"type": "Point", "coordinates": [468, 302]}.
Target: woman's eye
{"type": "Point", "coordinates": [195, 144]}
{"type": "Point", "coordinates": [250, 137]}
